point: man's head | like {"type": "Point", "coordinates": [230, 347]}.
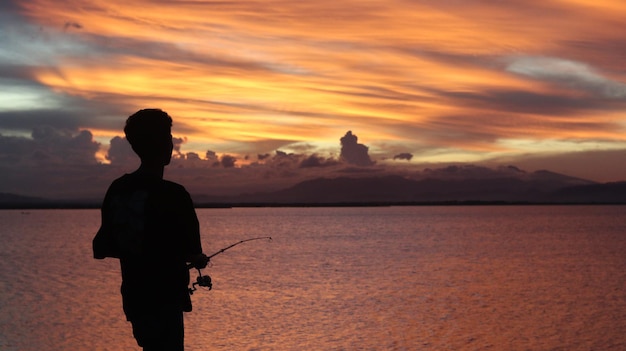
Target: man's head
{"type": "Point", "coordinates": [149, 132]}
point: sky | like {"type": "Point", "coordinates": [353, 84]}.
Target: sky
{"type": "Point", "coordinates": [266, 93]}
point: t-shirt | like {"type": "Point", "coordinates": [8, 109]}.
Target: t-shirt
{"type": "Point", "coordinates": [149, 224]}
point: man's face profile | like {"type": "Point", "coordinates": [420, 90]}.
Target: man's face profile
{"type": "Point", "coordinates": [169, 147]}
{"type": "Point", "coordinates": [160, 149]}
{"type": "Point", "coordinates": [149, 132]}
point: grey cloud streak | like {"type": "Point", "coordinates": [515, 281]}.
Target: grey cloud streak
{"type": "Point", "coordinates": [570, 73]}
{"type": "Point", "coordinates": [520, 101]}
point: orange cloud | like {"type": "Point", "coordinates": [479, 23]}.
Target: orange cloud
{"type": "Point", "coordinates": [449, 75]}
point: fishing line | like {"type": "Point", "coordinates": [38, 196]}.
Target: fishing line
{"type": "Point", "coordinates": [205, 280]}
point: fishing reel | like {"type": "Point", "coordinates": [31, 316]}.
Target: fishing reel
{"type": "Point", "coordinates": [205, 280]}
{"type": "Point", "coordinates": [201, 280]}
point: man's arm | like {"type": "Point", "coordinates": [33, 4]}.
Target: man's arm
{"type": "Point", "coordinates": [194, 254]}
{"type": "Point", "coordinates": [103, 244]}
{"type": "Point", "coordinates": [198, 261]}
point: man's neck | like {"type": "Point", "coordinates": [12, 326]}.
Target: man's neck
{"type": "Point", "coordinates": [151, 170]}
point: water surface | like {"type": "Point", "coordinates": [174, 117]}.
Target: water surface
{"type": "Point", "coordinates": [388, 278]}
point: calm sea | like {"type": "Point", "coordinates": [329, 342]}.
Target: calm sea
{"type": "Point", "coordinates": [388, 278]}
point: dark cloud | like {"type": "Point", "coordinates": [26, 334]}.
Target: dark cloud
{"type": "Point", "coordinates": [29, 119]}
{"type": "Point", "coordinates": [317, 161]}
{"type": "Point", "coordinates": [262, 157]}
{"type": "Point", "coordinates": [192, 160]}
{"type": "Point", "coordinates": [19, 75]}
{"type": "Point", "coordinates": [311, 161]}
{"type": "Point", "coordinates": [79, 114]}
{"type": "Point", "coordinates": [354, 153]}
{"type": "Point", "coordinates": [51, 145]}
{"type": "Point", "coordinates": [283, 160]}
{"type": "Point", "coordinates": [403, 156]}
{"type": "Point", "coordinates": [72, 25]}
{"type": "Point", "coordinates": [228, 161]}
{"type": "Point", "coordinates": [520, 101]}
{"type": "Point", "coordinates": [292, 161]}
{"type": "Point", "coordinates": [13, 150]}
{"type": "Point", "coordinates": [51, 163]}
{"type": "Point", "coordinates": [45, 165]}
{"type": "Point", "coordinates": [64, 146]}
{"type": "Point", "coordinates": [9, 6]}
{"type": "Point", "coordinates": [192, 156]}
{"type": "Point", "coordinates": [120, 152]}
{"type": "Point", "coordinates": [211, 155]}
{"type": "Point", "coordinates": [177, 144]}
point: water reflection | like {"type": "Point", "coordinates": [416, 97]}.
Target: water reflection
{"type": "Point", "coordinates": [355, 279]}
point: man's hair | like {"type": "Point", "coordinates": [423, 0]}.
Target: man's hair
{"type": "Point", "coordinates": [146, 127]}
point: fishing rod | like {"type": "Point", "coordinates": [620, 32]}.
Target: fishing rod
{"type": "Point", "coordinates": [205, 280]}
{"type": "Point", "coordinates": [237, 243]}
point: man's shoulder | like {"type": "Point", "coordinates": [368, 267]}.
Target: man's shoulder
{"type": "Point", "coordinates": [175, 193]}
{"type": "Point", "coordinates": [173, 185]}
{"type": "Point", "coordinates": [120, 182]}
{"type": "Point", "coordinates": [129, 183]}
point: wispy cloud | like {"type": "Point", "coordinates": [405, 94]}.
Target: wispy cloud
{"type": "Point", "coordinates": [447, 80]}
{"type": "Point", "coordinates": [569, 73]}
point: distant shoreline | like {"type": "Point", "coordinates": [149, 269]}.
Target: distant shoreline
{"type": "Point", "coordinates": [538, 188]}
{"type": "Point", "coordinates": [82, 205]}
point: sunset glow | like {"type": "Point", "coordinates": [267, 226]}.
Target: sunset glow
{"type": "Point", "coordinates": [446, 81]}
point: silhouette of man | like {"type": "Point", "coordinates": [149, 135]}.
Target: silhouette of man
{"type": "Point", "coordinates": [150, 224]}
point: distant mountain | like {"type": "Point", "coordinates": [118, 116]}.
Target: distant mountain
{"type": "Point", "coordinates": [455, 184]}
{"type": "Point", "coordinates": [474, 184]}
{"type": "Point", "coordinates": [7, 198]}
{"type": "Point", "coordinates": [592, 193]}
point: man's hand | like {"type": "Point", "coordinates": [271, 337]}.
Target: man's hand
{"type": "Point", "coordinates": [198, 261]}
